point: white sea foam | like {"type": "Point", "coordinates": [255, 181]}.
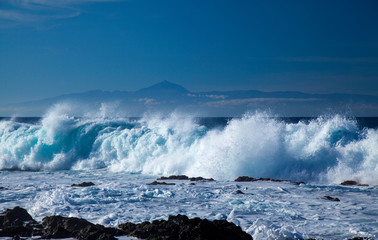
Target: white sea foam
{"type": "Point", "coordinates": [323, 150]}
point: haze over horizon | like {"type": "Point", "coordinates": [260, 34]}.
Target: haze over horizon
{"type": "Point", "coordinates": [52, 48]}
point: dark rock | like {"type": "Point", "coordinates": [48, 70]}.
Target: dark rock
{"type": "Point", "coordinates": [16, 231]}
{"type": "Point", "coordinates": [192, 184]}
{"type": "Point", "coordinates": [160, 183]}
{"type": "Point", "coordinates": [251, 179]}
{"type": "Point", "coordinates": [83, 184]}
{"type": "Point", "coordinates": [331, 198]}
{"type": "Point", "coordinates": [2, 188]}
{"type": "Point", "coordinates": [65, 227]}
{"type": "Point", "coordinates": [363, 185]}
{"type": "Point", "coordinates": [349, 183]}
{"type": "Point", "coordinates": [182, 228]}
{"type": "Point", "coordinates": [16, 217]}
{"type": "Point", "coordinates": [175, 177]}
{"type": "Point", "coordinates": [183, 177]}
{"type": "Point", "coordinates": [245, 179]}
{"type": "Point", "coordinates": [360, 238]}
{"type": "Point", "coordinates": [18, 222]}
{"type": "Point", "coordinates": [201, 179]}
{"type": "Point", "coordinates": [239, 192]}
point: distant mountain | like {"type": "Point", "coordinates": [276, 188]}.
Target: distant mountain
{"type": "Point", "coordinates": [166, 97]}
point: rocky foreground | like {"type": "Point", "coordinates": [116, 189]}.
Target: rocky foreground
{"type": "Point", "coordinates": [17, 223]}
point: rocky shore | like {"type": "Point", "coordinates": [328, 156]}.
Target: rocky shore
{"type": "Point", "coordinates": [18, 224]}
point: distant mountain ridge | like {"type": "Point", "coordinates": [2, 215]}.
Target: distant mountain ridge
{"type": "Point", "coordinates": [166, 96]}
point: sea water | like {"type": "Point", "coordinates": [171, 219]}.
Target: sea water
{"type": "Point", "coordinates": [41, 158]}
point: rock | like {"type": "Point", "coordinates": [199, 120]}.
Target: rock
{"type": "Point", "coordinates": [331, 198]}
{"type": "Point", "coordinates": [83, 184]}
{"type": "Point", "coordinates": [183, 177]}
{"type": "Point", "coordinates": [245, 179]}
{"type": "Point", "coordinates": [201, 179]}
{"type": "Point", "coordinates": [363, 185]}
{"type": "Point", "coordinates": [349, 183]}
{"type": "Point", "coordinates": [360, 238]}
{"type": "Point", "coordinates": [18, 222]}
{"type": "Point", "coordinates": [175, 177]}
{"type": "Point", "coordinates": [16, 217]}
{"type": "Point", "coordinates": [251, 179]}
{"type": "Point", "coordinates": [182, 228]}
{"type": "Point", "coordinates": [65, 227]}
{"type": "Point", "coordinates": [2, 188]}
{"type": "Point", "coordinates": [160, 183]}
{"type": "Point", "coordinates": [239, 192]}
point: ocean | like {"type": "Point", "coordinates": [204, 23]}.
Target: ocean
{"type": "Point", "coordinates": [40, 158]}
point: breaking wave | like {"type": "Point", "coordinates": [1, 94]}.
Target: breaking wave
{"type": "Point", "coordinates": [322, 150]}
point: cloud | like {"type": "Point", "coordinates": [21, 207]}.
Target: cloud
{"type": "Point", "coordinates": [249, 101]}
{"type": "Point", "coordinates": [24, 12]}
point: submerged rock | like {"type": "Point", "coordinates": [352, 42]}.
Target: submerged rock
{"type": "Point", "coordinates": [251, 179]}
{"type": "Point", "coordinates": [160, 183]}
{"type": "Point", "coordinates": [83, 184]}
{"type": "Point", "coordinates": [180, 227]}
{"type": "Point", "coordinates": [331, 198]}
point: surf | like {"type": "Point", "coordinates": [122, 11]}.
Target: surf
{"type": "Point", "coordinates": [327, 149]}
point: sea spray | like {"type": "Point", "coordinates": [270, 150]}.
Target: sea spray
{"type": "Point", "coordinates": [322, 150]}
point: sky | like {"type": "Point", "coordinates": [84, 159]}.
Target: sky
{"type": "Point", "coordinates": [54, 47]}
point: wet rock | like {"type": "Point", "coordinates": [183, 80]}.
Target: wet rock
{"type": "Point", "coordinates": [2, 188]}
{"type": "Point", "coordinates": [201, 179]}
{"type": "Point", "coordinates": [363, 185]}
{"type": "Point", "coordinates": [184, 177]}
{"type": "Point", "coordinates": [360, 238]}
{"type": "Point", "coordinates": [331, 198]}
{"type": "Point", "coordinates": [65, 227]}
{"type": "Point", "coordinates": [245, 179]}
{"type": "Point", "coordinates": [83, 184]}
{"type": "Point", "coordinates": [18, 222]}
{"type": "Point", "coordinates": [160, 183]}
{"type": "Point", "coordinates": [182, 228]}
{"type": "Point", "coordinates": [349, 183]}
{"type": "Point", "coordinates": [239, 192]}
{"type": "Point", "coordinates": [251, 179]}
{"type": "Point", "coordinates": [174, 177]}
{"type": "Point", "coordinates": [16, 217]}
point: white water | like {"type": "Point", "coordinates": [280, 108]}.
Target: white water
{"type": "Point", "coordinates": [267, 210]}
{"type": "Point", "coordinates": [121, 156]}
{"type": "Point", "coordinates": [324, 150]}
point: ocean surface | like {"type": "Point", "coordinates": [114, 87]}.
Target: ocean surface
{"type": "Point", "coordinates": [41, 157]}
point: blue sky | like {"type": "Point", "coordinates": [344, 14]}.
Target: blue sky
{"type": "Point", "coordinates": [48, 48]}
